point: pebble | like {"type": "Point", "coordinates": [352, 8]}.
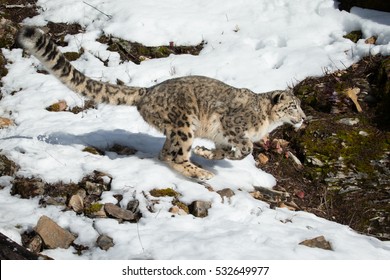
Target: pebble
{"type": "Point", "coordinates": [105, 242]}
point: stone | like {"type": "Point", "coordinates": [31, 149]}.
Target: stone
{"type": "Point", "coordinates": [262, 158]}
{"type": "Point", "coordinates": [371, 40]}
{"type": "Point", "coordinates": [177, 210]}
{"type": "Point", "coordinates": [35, 245]}
{"type": "Point", "coordinates": [133, 206]}
{"type": "Point", "coordinates": [58, 107]}
{"type": "Point", "coordinates": [200, 208]}
{"type": "Point", "coordinates": [105, 242]}
{"type": "Point", "coordinates": [317, 242]}
{"type": "Point", "coordinates": [349, 121]}
{"type": "Point", "coordinates": [95, 188]}
{"type": "Point", "coordinates": [76, 203]}
{"type": "Point", "coordinates": [52, 234]}
{"type": "Point", "coordinates": [5, 122]}
{"type": "Point", "coordinates": [119, 213]}
{"type": "Point", "coordinates": [226, 193]}
{"type": "Point", "coordinates": [315, 161]}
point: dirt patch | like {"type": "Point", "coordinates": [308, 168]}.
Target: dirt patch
{"type": "Point", "coordinates": [345, 153]}
{"type": "Point", "coordinates": [18, 10]}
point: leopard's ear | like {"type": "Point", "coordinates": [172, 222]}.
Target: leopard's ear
{"type": "Point", "coordinates": [278, 97]}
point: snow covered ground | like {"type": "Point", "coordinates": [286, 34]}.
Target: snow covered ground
{"type": "Point", "coordinates": [259, 44]}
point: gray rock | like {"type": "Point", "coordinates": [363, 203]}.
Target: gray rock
{"type": "Point", "coordinates": [133, 206]}
{"type": "Point", "coordinates": [119, 213]}
{"type": "Point", "coordinates": [105, 242]}
{"type": "Point", "coordinates": [35, 245]}
{"type": "Point", "coordinates": [52, 234]}
{"type": "Point", "coordinates": [200, 208]}
{"type": "Point", "coordinates": [225, 193]}
{"type": "Point", "coordinates": [349, 121]}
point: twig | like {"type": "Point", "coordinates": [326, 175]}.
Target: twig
{"type": "Point", "coordinates": [21, 6]}
{"type": "Point", "coordinates": [109, 16]}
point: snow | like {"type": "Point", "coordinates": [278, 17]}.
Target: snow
{"type": "Point", "coordinates": [261, 45]}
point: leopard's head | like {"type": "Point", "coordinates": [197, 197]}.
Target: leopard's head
{"type": "Point", "coordinates": [286, 108]}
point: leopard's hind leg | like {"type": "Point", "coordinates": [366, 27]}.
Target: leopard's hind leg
{"type": "Point", "coordinates": [177, 151]}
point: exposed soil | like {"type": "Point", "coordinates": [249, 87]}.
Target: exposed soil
{"type": "Point", "coordinates": [345, 174]}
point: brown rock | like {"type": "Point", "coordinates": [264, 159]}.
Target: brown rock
{"type": "Point", "coordinates": [371, 40]}
{"type": "Point", "coordinates": [58, 107]}
{"type": "Point", "coordinates": [317, 242]}
{"type": "Point", "coordinates": [263, 159]}
{"type": "Point", "coordinates": [200, 208]}
{"type": "Point", "coordinates": [119, 213]}
{"type": "Point", "coordinates": [4, 122]}
{"type": "Point", "coordinates": [52, 234]}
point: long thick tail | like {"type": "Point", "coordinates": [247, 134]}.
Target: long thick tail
{"type": "Point", "coordinates": [36, 42]}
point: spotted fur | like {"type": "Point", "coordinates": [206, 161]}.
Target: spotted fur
{"type": "Point", "coordinates": [182, 108]}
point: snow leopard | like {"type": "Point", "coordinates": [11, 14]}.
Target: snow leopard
{"type": "Point", "coordinates": [181, 108]}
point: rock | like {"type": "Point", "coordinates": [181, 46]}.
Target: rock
{"type": "Point", "coordinates": [76, 203]}
{"type": "Point", "coordinates": [262, 158]}
{"type": "Point", "coordinates": [95, 188]}
{"type": "Point", "coordinates": [200, 208]}
{"type": "Point", "coordinates": [58, 107]}
{"type": "Point", "coordinates": [27, 188]}
{"type": "Point", "coordinates": [228, 193]}
{"type": "Point", "coordinates": [7, 167]}
{"type": "Point", "coordinates": [119, 213]}
{"type": "Point", "coordinates": [349, 121]}
{"type": "Point", "coordinates": [177, 210]}
{"type": "Point", "coordinates": [35, 245]}
{"type": "Point", "coordinates": [317, 242]}
{"type": "Point", "coordinates": [5, 122]}
{"type": "Point", "coordinates": [96, 183]}
{"type": "Point", "coordinates": [133, 206]}
{"type": "Point", "coordinates": [52, 234]}
{"type": "Point", "coordinates": [371, 40]}
{"type": "Point", "coordinates": [315, 161]}
{"type": "Point", "coordinates": [105, 242]}
{"type": "Point", "coordinates": [294, 158]}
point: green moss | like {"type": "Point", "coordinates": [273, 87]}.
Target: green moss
{"type": "Point", "coordinates": [93, 150]}
{"type": "Point", "coordinates": [93, 208]}
{"type": "Point", "coordinates": [164, 192]}
{"type": "Point", "coordinates": [354, 36]}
